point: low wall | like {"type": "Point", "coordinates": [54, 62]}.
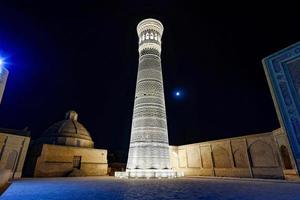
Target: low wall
{"type": "Point", "coordinates": [254, 156]}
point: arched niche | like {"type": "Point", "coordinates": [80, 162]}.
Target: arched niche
{"type": "Point", "coordinates": [285, 157]}
{"type": "Point", "coordinates": [221, 158]}
{"type": "Point", "coordinates": [240, 158]}
{"type": "Point", "coordinates": [262, 155]}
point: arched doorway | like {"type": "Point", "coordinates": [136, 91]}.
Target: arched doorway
{"type": "Point", "coordinates": [11, 162]}
{"type": "Point", "coordinates": [285, 157]}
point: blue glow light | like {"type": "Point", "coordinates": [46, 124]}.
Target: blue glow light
{"type": "Point", "coordinates": [178, 94]}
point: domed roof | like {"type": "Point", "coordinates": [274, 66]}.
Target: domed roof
{"type": "Point", "coordinates": [68, 132]}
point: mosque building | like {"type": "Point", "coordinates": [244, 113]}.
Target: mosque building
{"type": "Point", "coordinates": [66, 149]}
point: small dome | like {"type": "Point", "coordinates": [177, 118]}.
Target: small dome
{"type": "Point", "coordinates": [68, 132]}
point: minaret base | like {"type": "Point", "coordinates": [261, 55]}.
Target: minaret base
{"type": "Point", "coordinates": [149, 173]}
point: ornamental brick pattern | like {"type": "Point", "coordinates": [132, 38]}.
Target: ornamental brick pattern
{"type": "Point", "coordinates": [149, 144]}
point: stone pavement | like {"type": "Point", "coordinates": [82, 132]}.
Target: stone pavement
{"type": "Point", "coordinates": [101, 188]}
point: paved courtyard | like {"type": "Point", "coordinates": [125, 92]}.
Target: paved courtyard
{"type": "Point", "coordinates": [187, 188]}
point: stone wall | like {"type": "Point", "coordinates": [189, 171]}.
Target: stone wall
{"type": "Point", "coordinates": [13, 149]}
{"type": "Point", "coordinates": [286, 156]}
{"type": "Point", "coordinates": [56, 160]}
{"type": "Point", "coordinates": [255, 156]}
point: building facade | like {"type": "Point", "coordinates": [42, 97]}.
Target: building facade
{"type": "Point", "coordinates": [66, 149]}
{"type": "Point", "coordinates": [265, 155]}
{"type": "Point", "coordinates": [282, 70]}
{"type": "Point", "coordinates": [13, 149]}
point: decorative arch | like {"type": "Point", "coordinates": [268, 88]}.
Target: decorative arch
{"type": "Point", "coordinates": [12, 160]}
{"type": "Point", "coordinates": [240, 158]}
{"type": "Point", "coordinates": [151, 35]}
{"type": "Point", "coordinates": [285, 157]}
{"type": "Point", "coordinates": [221, 158]}
{"type": "Point", "coordinates": [262, 155]}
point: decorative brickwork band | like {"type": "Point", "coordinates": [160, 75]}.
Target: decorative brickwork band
{"type": "Point", "coordinates": [149, 154]}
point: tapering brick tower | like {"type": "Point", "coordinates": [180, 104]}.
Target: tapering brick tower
{"type": "Point", "coordinates": [149, 145]}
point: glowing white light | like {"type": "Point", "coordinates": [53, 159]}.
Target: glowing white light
{"type": "Point", "coordinates": [177, 93]}
{"type": "Point", "coordinates": [151, 36]}
{"type": "Point", "coordinates": [1, 65]}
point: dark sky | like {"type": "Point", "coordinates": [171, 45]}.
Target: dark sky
{"type": "Point", "coordinates": [83, 56]}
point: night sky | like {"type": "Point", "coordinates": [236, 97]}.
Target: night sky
{"type": "Point", "coordinates": [83, 56]}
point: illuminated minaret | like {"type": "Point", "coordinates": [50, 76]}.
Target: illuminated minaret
{"type": "Point", "coordinates": [3, 78]}
{"type": "Point", "coordinates": [149, 145]}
